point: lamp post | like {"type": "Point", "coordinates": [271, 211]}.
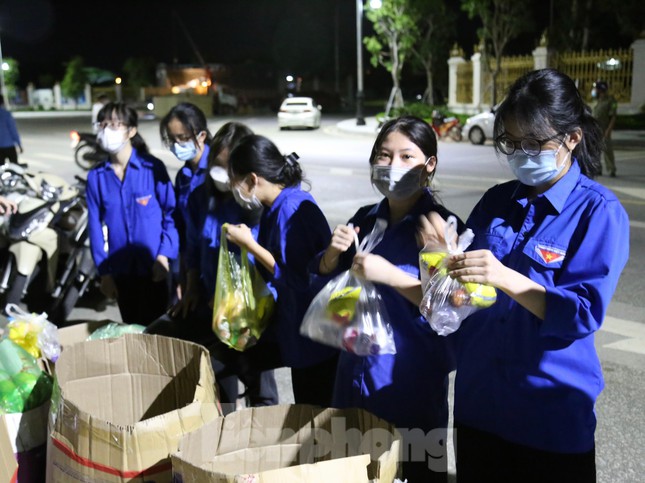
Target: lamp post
{"type": "Point", "coordinates": [360, 119]}
{"type": "Point", "coordinates": [3, 89]}
{"type": "Point", "coordinates": [117, 88]}
{"type": "Point", "coordinates": [374, 4]}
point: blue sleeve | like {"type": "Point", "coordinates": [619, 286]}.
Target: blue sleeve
{"type": "Point", "coordinates": [169, 244]}
{"type": "Point", "coordinates": [193, 232]}
{"type": "Point", "coordinates": [576, 305]}
{"type": "Point", "coordinates": [13, 130]}
{"type": "Point", "coordinates": [304, 234]}
{"type": "Point", "coordinates": [95, 226]}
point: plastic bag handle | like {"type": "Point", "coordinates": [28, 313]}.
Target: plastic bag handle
{"type": "Point", "coordinates": [463, 241]}
{"type": "Point", "coordinates": [374, 238]}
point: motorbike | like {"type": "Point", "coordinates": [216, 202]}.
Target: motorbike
{"type": "Point", "coordinates": [87, 150]}
{"type": "Point", "coordinates": [41, 240]}
{"type": "Point", "coordinates": [446, 127]}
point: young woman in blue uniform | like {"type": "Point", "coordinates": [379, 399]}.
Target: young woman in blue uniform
{"type": "Point", "coordinates": [409, 388]}
{"type": "Point", "coordinates": [554, 243]}
{"type": "Point", "coordinates": [209, 206]}
{"type": "Point", "coordinates": [131, 194]}
{"type": "Point", "coordinates": [184, 130]}
{"type": "Point", "coordinates": [292, 231]}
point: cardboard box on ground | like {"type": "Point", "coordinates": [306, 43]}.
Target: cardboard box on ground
{"type": "Point", "coordinates": [290, 443]}
{"type": "Point", "coordinates": [120, 407]}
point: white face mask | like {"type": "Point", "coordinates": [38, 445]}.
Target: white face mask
{"type": "Point", "coordinates": [397, 183]}
{"type": "Point", "coordinates": [536, 170]}
{"type": "Point", "coordinates": [220, 178]}
{"type": "Point", "coordinates": [250, 203]}
{"type": "Point", "coordinates": [112, 140]}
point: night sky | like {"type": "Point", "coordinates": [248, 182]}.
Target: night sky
{"type": "Point", "coordinates": [42, 35]}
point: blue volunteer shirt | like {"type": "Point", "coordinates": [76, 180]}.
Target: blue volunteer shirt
{"type": "Point", "coordinates": [409, 388]}
{"type": "Point", "coordinates": [294, 230]}
{"type": "Point", "coordinates": [530, 381]}
{"type": "Point", "coordinates": [206, 215]}
{"type": "Point", "coordinates": [137, 213]}
{"type": "Point", "coordinates": [8, 132]}
{"type": "Point", "coordinates": [186, 182]}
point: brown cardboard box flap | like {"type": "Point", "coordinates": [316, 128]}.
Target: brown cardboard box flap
{"type": "Point", "coordinates": [288, 441]}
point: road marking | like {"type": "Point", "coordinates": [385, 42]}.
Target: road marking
{"type": "Point", "coordinates": [635, 192]}
{"type": "Point", "coordinates": [32, 162]}
{"type": "Point", "coordinates": [57, 157]}
{"type": "Point", "coordinates": [341, 171]}
{"type": "Point", "coordinates": [636, 224]}
{"type": "Point", "coordinates": [634, 333]}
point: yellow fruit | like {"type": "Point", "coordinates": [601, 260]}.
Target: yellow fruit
{"type": "Point", "coordinates": [342, 304]}
{"type": "Point", "coordinates": [481, 295]}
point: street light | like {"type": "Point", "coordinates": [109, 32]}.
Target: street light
{"type": "Point", "coordinates": [2, 69]}
{"type": "Point", "coordinates": [360, 119]}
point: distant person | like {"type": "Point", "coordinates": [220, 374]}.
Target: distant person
{"type": "Point", "coordinates": [101, 101]}
{"type": "Point", "coordinates": [605, 113]}
{"type": "Point", "coordinates": [9, 137]}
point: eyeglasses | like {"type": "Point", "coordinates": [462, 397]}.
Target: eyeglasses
{"type": "Point", "coordinates": [530, 146]}
{"type": "Point", "coordinates": [113, 125]}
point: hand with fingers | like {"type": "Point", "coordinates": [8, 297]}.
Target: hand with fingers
{"type": "Point", "coordinates": [432, 229]}
{"type": "Point", "coordinates": [341, 239]}
{"type": "Point", "coordinates": [477, 266]}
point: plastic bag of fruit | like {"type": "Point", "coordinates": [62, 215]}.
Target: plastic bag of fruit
{"type": "Point", "coordinates": [243, 303]}
{"type": "Point", "coordinates": [447, 302]}
{"type": "Point", "coordinates": [33, 332]}
{"type": "Point", "coordinates": [349, 313]}
{"type": "Point", "coordinates": [23, 384]}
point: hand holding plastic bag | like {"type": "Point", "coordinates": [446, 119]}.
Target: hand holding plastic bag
{"type": "Point", "coordinates": [349, 313]}
{"type": "Point", "coordinates": [243, 304]}
{"type": "Point", "coordinates": [33, 332]}
{"type": "Point", "coordinates": [447, 302]}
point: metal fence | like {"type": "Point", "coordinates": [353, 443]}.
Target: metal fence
{"type": "Point", "coordinates": [465, 83]}
{"type": "Point", "coordinates": [511, 69]}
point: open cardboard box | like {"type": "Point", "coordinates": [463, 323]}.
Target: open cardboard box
{"type": "Point", "coordinates": [120, 407]}
{"type": "Point", "coordinates": [290, 443]}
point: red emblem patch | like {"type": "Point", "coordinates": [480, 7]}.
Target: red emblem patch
{"type": "Point", "coordinates": [143, 200]}
{"type": "Point", "coordinates": [550, 254]}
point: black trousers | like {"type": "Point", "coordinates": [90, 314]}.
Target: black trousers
{"type": "Point", "coordinates": [229, 365]}
{"type": "Point", "coordinates": [9, 154]}
{"type": "Point", "coordinates": [484, 457]}
{"type": "Point", "coordinates": [140, 300]}
{"type": "Point", "coordinates": [314, 384]}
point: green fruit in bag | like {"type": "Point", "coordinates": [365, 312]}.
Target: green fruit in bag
{"type": "Point", "coordinates": [11, 400]}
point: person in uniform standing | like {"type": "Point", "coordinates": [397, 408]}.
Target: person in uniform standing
{"type": "Point", "coordinates": [605, 113]}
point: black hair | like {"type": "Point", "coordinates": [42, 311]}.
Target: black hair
{"type": "Point", "coordinates": [191, 117]}
{"type": "Point", "coordinates": [416, 130]}
{"type": "Point", "coordinates": [226, 137]}
{"type": "Point", "coordinates": [129, 117]}
{"type": "Point", "coordinates": [546, 102]}
{"type": "Point", "coordinates": [257, 154]}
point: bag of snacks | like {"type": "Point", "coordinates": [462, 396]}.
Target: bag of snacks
{"type": "Point", "coordinates": [33, 332]}
{"type": "Point", "coordinates": [349, 313]}
{"type": "Point", "coordinates": [243, 303]}
{"type": "Point", "coordinates": [447, 302]}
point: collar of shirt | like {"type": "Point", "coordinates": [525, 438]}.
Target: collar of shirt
{"type": "Point", "coordinates": [201, 165]}
{"type": "Point", "coordinates": [134, 160]}
{"type": "Point", "coordinates": [281, 198]}
{"type": "Point", "coordinates": [558, 193]}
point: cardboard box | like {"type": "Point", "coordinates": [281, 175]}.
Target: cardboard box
{"type": "Point", "coordinates": [72, 334]}
{"type": "Point", "coordinates": [8, 463]}
{"type": "Point", "coordinates": [120, 407]}
{"type": "Point", "coordinates": [290, 443]}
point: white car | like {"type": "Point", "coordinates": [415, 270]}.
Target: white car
{"type": "Point", "coordinates": [479, 128]}
{"type": "Point", "coordinates": [299, 112]}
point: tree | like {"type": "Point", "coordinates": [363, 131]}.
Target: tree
{"type": "Point", "coordinates": [11, 75]}
{"type": "Point", "coordinates": [396, 33]}
{"type": "Point", "coordinates": [502, 20]}
{"type": "Point", "coordinates": [139, 72]}
{"type": "Point", "coordinates": [73, 84]}
{"type": "Point", "coordinates": [436, 32]}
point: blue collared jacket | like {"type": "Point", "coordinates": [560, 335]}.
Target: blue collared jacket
{"type": "Point", "coordinates": [294, 230]}
{"type": "Point", "coordinates": [137, 213]}
{"type": "Point", "coordinates": [186, 182]}
{"type": "Point", "coordinates": [8, 132]}
{"type": "Point", "coordinates": [530, 381]}
{"type": "Point", "coordinates": [409, 388]}
{"type": "Point", "coordinates": [206, 215]}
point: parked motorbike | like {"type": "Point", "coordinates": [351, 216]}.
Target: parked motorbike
{"type": "Point", "coordinates": [446, 127]}
{"type": "Point", "coordinates": [87, 150]}
{"type": "Point", "coordinates": [46, 234]}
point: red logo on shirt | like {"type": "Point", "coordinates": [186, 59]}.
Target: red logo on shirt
{"type": "Point", "coordinates": [143, 200]}
{"type": "Point", "coordinates": [550, 254]}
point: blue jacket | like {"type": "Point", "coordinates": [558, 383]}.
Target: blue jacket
{"type": "Point", "coordinates": [8, 132]}
{"type": "Point", "coordinates": [206, 215]}
{"type": "Point", "coordinates": [531, 381]}
{"type": "Point", "coordinates": [137, 213]}
{"type": "Point", "coordinates": [186, 182]}
{"type": "Point", "coordinates": [294, 230]}
{"type": "Point", "coordinates": [409, 388]}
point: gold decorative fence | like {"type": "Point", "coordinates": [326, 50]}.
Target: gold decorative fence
{"type": "Point", "coordinates": [612, 66]}
{"type": "Point", "coordinates": [511, 69]}
{"type": "Point", "coordinates": [465, 83]}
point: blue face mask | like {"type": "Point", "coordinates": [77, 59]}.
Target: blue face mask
{"type": "Point", "coordinates": [536, 170]}
{"type": "Point", "coordinates": [184, 151]}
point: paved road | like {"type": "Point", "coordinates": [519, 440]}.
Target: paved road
{"type": "Point", "coordinates": [335, 161]}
